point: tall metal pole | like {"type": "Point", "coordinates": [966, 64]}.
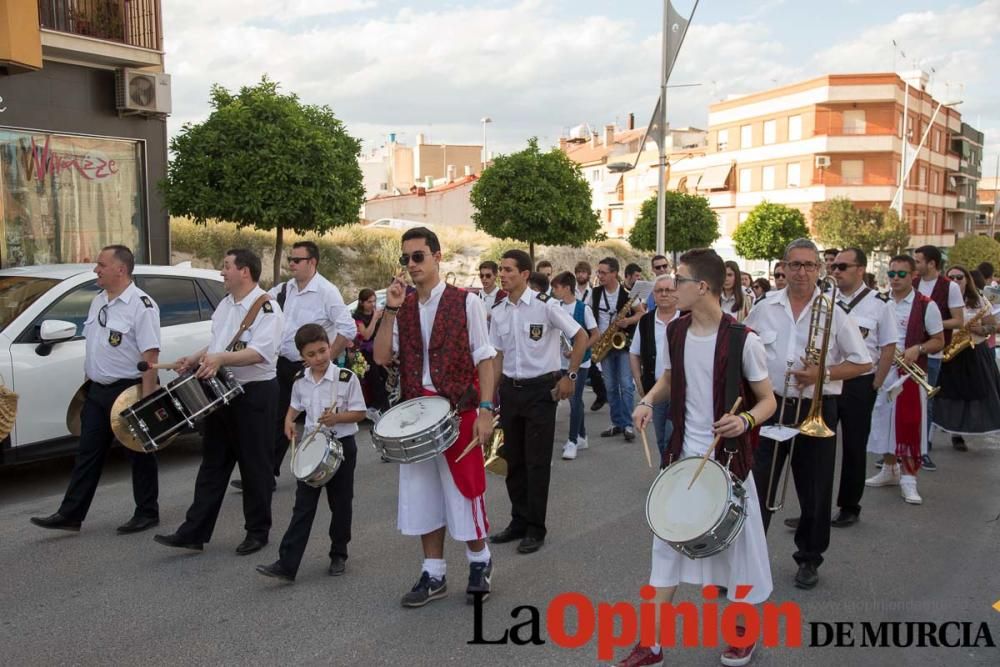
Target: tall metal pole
{"type": "Point", "coordinates": [902, 164]}
{"type": "Point", "coordinates": [996, 199]}
{"type": "Point", "coordinates": [661, 203]}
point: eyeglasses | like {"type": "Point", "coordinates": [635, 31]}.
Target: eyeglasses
{"type": "Point", "coordinates": [601, 272]}
{"type": "Point", "coordinates": [661, 267]}
{"type": "Point", "coordinates": [957, 276]}
{"type": "Point", "coordinates": [779, 275]}
{"type": "Point", "coordinates": [665, 291]}
{"type": "Point", "coordinates": [842, 266]}
{"type": "Point", "coordinates": [795, 267]}
{"type": "Point", "coordinates": [102, 315]}
{"type": "Point", "coordinates": [897, 274]}
{"type": "Point", "coordinates": [485, 275]}
{"type": "Point", "coordinates": [296, 260]}
{"type": "Point", "coordinates": [685, 279]}
{"type": "Point", "coordinates": [418, 258]}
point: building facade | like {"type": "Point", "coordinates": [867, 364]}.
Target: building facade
{"type": "Point", "coordinates": [448, 204]}
{"type": "Point", "coordinates": [394, 168]}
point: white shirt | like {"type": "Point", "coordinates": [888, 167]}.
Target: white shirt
{"type": "Point", "coordinates": [955, 300]}
{"type": "Point", "coordinates": [699, 365]}
{"type": "Point", "coordinates": [583, 294]}
{"type": "Point", "coordinates": [527, 333]}
{"type": "Point", "coordinates": [475, 322]}
{"type": "Point", "coordinates": [901, 310]}
{"type": "Point", "coordinates": [606, 310]}
{"type": "Point", "coordinates": [489, 298]}
{"type": "Point", "coordinates": [132, 327]}
{"type": "Point", "coordinates": [784, 339]}
{"type": "Point", "coordinates": [319, 303]}
{"type": "Point", "coordinates": [589, 324]}
{"type": "Point", "coordinates": [875, 320]}
{"type": "Point", "coordinates": [660, 333]}
{"type": "Point", "coordinates": [263, 335]}
{"type": "Point", "coordinates": [313, 397]}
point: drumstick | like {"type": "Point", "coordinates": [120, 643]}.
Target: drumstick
{"type": "Point", "coordinates": [475, 441]}
{"type": "Point", "coordinates": [715, 443]}
{"type": "Point", "coordinates": [645, 447]}
{"type": "Point", "coordinates": [144, 366]}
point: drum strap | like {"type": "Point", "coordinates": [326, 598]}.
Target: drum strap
{"type": "Point", "coordinates": [734, 373]}
{"type": "Point", "coordinates": [248, 320]}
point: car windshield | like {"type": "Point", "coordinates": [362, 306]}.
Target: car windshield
{"type": "Point", "coordinates": [17, 293]}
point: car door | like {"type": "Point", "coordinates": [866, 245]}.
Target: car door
{"type": "Point", "coordinates": [185, 316]}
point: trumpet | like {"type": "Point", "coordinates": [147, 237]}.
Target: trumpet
{"type": "Point", "coordinates": [915, 373]}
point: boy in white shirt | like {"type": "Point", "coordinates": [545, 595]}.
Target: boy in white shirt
{"type": "Point", "coordinates": [332, 399]}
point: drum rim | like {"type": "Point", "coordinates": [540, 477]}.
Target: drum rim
{"type": "Point", "coordinates": [729, 500]}
{"type": "Point", "coordinates": [399, 406]}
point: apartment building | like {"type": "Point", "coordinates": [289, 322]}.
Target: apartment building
{"type": "Point", "coordinates": [83, 134]}
{"type": "Point", "coordinates": [395, 168]}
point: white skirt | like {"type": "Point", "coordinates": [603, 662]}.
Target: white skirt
{"type": "Point", "coordinates": [744, 563]}
{"type": "Point", "coordinates": [882, 437]}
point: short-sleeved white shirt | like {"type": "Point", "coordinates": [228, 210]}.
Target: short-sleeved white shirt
{"type": "Point", "coordinates": [589, 324]}
{"type": "Point", "coordinates": [660, 343]}
{"type": "Point", "coordinates": [131, 327]}
{"type": "Point", "coordinates": [527, 333]}
{"type": "Point", "coordinates": [263, 336]}
{"type": "Point", "coordinates": [901, 310]}
{"type": "Point", "coordinates": [313, 397]}
{"type": "Point", "coordinates": [875, 321]}
{"type": "Point", "coordinates": [319, 302]}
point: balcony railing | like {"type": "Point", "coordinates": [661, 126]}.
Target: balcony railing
{"type": "Point", "coordinates": [132, 22]}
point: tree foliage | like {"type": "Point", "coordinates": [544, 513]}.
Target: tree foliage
{"type": "Point", "coordinates": [768, 230]}
{"type": "Point", "coordinates": [970, 251]}
{"type": "Point", "coordinates": [838, 223]}
{"type": "Point", "coordinates": [264, 159]}
{"type": "Point", "coordinates": [535, 197]}
{"type": "Point", "coordinates": [689, 223]}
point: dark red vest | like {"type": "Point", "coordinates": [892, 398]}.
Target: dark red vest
{"type": "Point", "coordinates": [452, 371]}
{"type": "Point", "coordinates": [939, 295]}
{"type": "Point", "coordinates": [916, 332]}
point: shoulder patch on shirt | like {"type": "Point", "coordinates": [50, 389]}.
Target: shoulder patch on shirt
{"type": "Point", "coordinates": [147, 301]}
{"type": "Point", "coordinates": [543, 297]}
{"type": "Point", "coordinates": [267, 307]}
{"type": "Point", "coordinates": [345, 375]}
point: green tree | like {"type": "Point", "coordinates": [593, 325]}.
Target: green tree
{"type": "Point", "coordinates": [768, 230]}
{"type": "Point", "coordinates": [970, 251]}
{"type": "Point", "coordinates": [266, 160]}
{"type": "Point", "coordinates": [839, 224]}
{"type": "Point", "coordinates": [689, 223]}
{"type": "Point", "coordinates": [535, 197]}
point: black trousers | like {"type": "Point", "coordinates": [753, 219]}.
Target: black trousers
{"type": "Point", "coordinates": [528, 419]}
{"type": "Point", "coordinates": [236, 434]}
{"type": "Point", "coordinates": [96, 437]}
{"type": "Point", "coordinates": [854, 410]}
{"type": "Point", "coordinates": [286, 371]}
{"type": "Point", "coordinates": [812, 470]}
{"type": "Point", "coordinates": [339, 496]}
{"type": "Point", "coordinates": [597, 384]}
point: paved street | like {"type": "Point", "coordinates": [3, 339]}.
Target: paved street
{"type": "Point", "coordinates": [97, 598]}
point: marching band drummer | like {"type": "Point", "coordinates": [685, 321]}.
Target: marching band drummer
{"type": "Point", "coordinates": [440, 335]}
{"type": "Point", "coordinates": [782, 322]}
{"type": "Point", "coordinates": [696, 374]}
{"type": "Point", "coordinates": [121, 329]}
{"type": "Point", "coordinates": [321, 386]}
{"type": "Point", "coordinates": [246, 329]}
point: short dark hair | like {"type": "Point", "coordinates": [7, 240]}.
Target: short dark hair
{"type": "Point", "coordinates": [491, 265]}
{"type": "Point", "coordinates": [422, 233]}
{"type": "Point", "coordinates": [565, 279]}
{"type": "Point", "coordinates": [246, 259]}
{"type": "Point", "coordinates": [986, 269]}
{"type": "Point", "coordinates": [931, 253]}
{"type": "Point", "coordinates": [310, 247]}
{"type": "Point", "coordinates": [830, 251]}
{"type": "Point", "coordinates": [631, 268]}
{"type": "Point", "coordinates": [656, 257]}
{"type": "Point", "coordinates": [538, 281]}
{"type": "Point", "coordinates": [907, 259]}
{"type": "Point", "coordinates": [124, 255]}
{"type": "Point", "coordinates": [582, 266]}
{"type": "Point", "coordinates": [521, 259]}
{"type": "Point", "coordinates": [705, 264]}
{"type": "Point", "coordinates": [612, 264]}
{"type": "Point", "coordinates": [860, 257]}
{"type": "Point", "coordinates": [310, 333]}
{"type": "Point", "coordinates": [544, 264]}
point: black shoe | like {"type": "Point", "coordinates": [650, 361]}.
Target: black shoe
{"type": "Point", "coordinates": [844, 519]}
{"type": "Point", "coordinates": [629, 434]}
{"type": "Point", "coordinates": [927, 464]}
{"type": "Point", "coordinates": [426, 590]}
{"type": "Point", "coordinates": [338, 565]}
{"type": "Point", "coordinates": [792, 522]}
{"type": "Point", "coordinates": [250, 545]}
{"type": "Point", "coordinates": [598, 404]}
{"type": "Point", "coordinates": [56, 522]}
{"type": "Point", "coordinates": [137, 524]}
{"type": "Point", "coordinates": [277, 571]}
{"type": "Point", "coordinates": [176, 541]}
{"type": "Point", "coordinates": [530, 545]}
{"type": "Point", "coordinates": [479, 581]}
{"type": "Point", "coordinates": [508, 534]}
{"type": "Point", "coordinates": [958, 442]}
{"type": "Point", "coordinates": [807, 577]}
{"type": "Point", "coordinates": [612, 430]}
{"type": "Point", "coordinates": [237, 484]}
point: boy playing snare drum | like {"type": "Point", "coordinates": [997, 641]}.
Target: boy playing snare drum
{"type": "Point", "coordinates": [332, 399]}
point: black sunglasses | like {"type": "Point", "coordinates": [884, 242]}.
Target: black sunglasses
{"type": "Point", "coordinates": [957, 276]}
{"type": "Point", "coordinates": [417, 257]}
{"type": "Point", "coordinates": [779, 275]}
{"type": "Point", "coordinates": [897, 274]}
{"type": "Point", "coordinates": [296, 260]}
{"type": "Point", "coordinates": [661, 267]}
{"type": "Point", "coordinates": [102, 315]}
{"type": "Point", "coordinates": [842, 266]}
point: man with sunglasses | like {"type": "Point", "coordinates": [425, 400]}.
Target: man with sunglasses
{"type": "Point", "coordinates": [782, 322]}
{"type": "Point", "coordinates": [583, 291]}
{"type": "Point", "coordinates": [491, 294]}
{"type": "Point", "coordinates": [647, 352]}
{"type": "Point", "coordinates": [877, 323]}
{"type": "Point", "coordinates": [439, 333]}
{"type": "Point", "coordinates": [121, 330]}
{"type": "Point", "coordinates": [779, 276]}
{"type": "Point", "coordinates": [661, 267]}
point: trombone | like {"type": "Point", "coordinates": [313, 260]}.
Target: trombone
{"type": "Point", "coordinates": [820, 326]}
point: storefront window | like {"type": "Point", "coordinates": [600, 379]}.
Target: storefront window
{"type": "Point", "coordinates": [63, 198]}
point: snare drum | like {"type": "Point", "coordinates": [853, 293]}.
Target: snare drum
{"type": "Point", "coordinates": [317, 458]}
{"type": "Point", "coordinates": [416, 430]}
{"type": "Point", "coordinates": [703, 520]}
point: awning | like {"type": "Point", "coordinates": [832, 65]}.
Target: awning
{"type": "Point", "coordinates": [611, 185]}
{"type": "Point", "coordinates": [715, 178]}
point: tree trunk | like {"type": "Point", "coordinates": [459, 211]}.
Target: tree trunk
{"type": "Point", "coordinates": [279, 241]}
{"type": "Point", "coordinates": [531, 253]}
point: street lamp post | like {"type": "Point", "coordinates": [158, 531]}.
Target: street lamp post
{"type": "Point", "coordinates": [484, 120]}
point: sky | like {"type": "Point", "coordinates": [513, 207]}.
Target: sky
{"type": "Point", "coordinates": [539, 67]}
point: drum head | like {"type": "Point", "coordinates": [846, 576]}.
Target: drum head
{"type": "Point", "coordinates": [678, 514]}
{"type": "Point", "coordinates": [309, 455]}
{"type": "Point", "coordinates": [412, 417]}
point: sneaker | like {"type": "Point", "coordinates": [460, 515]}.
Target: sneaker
{"type": "Point", "coordinates": [611, 430]}
{"type": "Point", "coordinates": [879, 463]}
{"type": "Point", "coordinates": [569, 451]}
{"type": "Point", "coordinates": [737, 657]}
{"type": "Point", "coordinates": [629, 434]}
{"type": "Point", "coordinates": [641, 655]}
{"type": "Point", "coordinates": [908, 489]}
{"type": "Point", "coordinates": [479, 581]}
{"type": "Point", "coordinates": [927, 464]}
{"type": "Point", "coordinates": [887, 476]}
{"type": "Point", "coordinates": [581, 442]}
{"type": "Point", "coordinates": [427, 589]}
{"type": "Point", "coordinates": [958, 442]}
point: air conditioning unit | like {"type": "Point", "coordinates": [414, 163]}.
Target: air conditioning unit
{"type": "Point", "coordinates": [822, 161]}
{"type": "Point", "coordinates": [142, 92]}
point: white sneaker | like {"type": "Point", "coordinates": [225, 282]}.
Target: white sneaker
{"type": "Point", "coordinates": [569, 451]}
{"type": "Point", "coordinates": [581, 442]}
{"type": "Point", "coordinates": [887, 476]}
{"type": "Point", "coordinates": [908, 489]}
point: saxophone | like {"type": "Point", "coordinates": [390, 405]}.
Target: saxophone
{"type": "Point", "coordinates": [613, 338]}
{"type": "Point", "coordinates": [962, 338]}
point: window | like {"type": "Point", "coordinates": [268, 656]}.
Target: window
{"type": "Point", "coordinates": [746, 136]}
{"type": "Point", "coordinates": [793, 175]}
{"type": "Point", "coordinates": [722, 139]}
{"type": "Point", "coordinates": [176, 298]}
{"type": "Point", "coordinates": [744, 180]}
{"type": "Point", "coordinates": [899, 125]}
{"type": "Point", "coordinates": [794, 128]}
{"type": "Point", "coordinates": [936, 141]}
{"type": "Point", "coordinates": [595, 176]}
{"type": "Point", "coordinates": [852, 172]}
{"type": "Point", "coordinates": [767, 178]}
{"type": "Point", "coordinates": [215, 290]}
{"type": "Point", "coordinates": [770, 131]}
{"type": "Point", "coordinates": [72, 307]}
{"type": "Point", "coordinates": [922, 178]}
{"type": "Point", "coordinates": [854, 121]}
{"type": "Point", "coordinates": [934, 220]}
{"type": "Point", "coordinates": [934, 182]}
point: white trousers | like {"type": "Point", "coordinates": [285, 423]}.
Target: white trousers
{"type": "Point", "coordinates": [429, 499]}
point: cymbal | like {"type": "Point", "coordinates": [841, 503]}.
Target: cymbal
{"type": "Point", "coordinates": [75, 408]}
{"type": "Point", "coordinates": [118, 425]}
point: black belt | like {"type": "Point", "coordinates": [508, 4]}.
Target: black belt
{"type": "Point", "coordinates": [530, 382]}
{"type": "Point", "coordinates": [117, 383]}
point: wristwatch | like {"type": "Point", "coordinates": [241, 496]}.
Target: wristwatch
{"type": "Point", "coordinates": [572, 375]}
